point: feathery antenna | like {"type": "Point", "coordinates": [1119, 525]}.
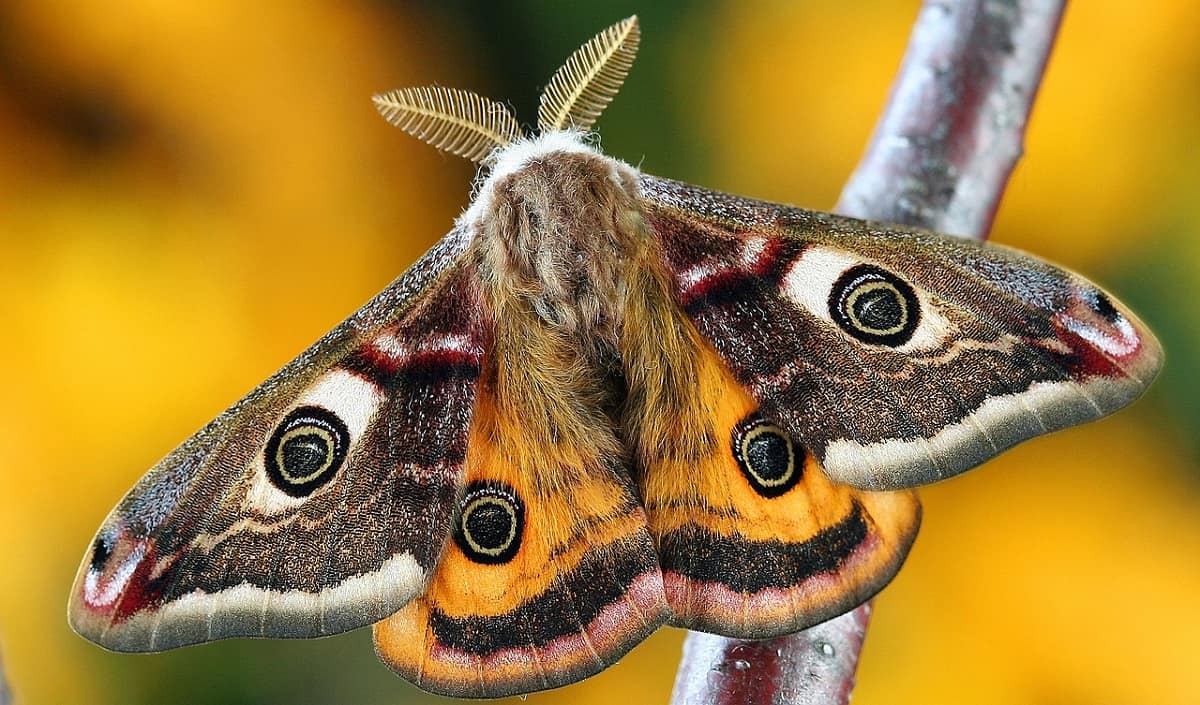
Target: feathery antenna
{"type": "Point", "coordinates": [587, 82]}
{"type": "Point", "coordinates": [452, 120]}
{"type": "Point", "coordinates": [471, 126]}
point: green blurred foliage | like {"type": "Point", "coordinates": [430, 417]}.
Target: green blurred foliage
{"type": "Point", "coordinates": [191, 193]}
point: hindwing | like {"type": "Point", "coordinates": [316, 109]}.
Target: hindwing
{"type": "Point", "coordinates": [754, 540]}
{"type": "Point", "coordinates": [551, 575]}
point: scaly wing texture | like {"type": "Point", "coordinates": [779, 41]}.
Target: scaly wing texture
{"type": "Point", "coordinates": [754, 540]}
{"type": "Point", "coordinates": [318, 503]}
{"type": "Point", "coordinates": [895, 356]}
{"type": "Point", "coordinates": [551, 576]}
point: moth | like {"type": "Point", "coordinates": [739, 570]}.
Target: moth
{"type": "Point", "coordinates": [604, 402]}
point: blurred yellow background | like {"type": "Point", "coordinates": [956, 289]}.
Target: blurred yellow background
{"type": "Point", "coordinates": [191, 193]}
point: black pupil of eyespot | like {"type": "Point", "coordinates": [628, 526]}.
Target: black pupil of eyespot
{"type": "Point", "coordinates": [875, 306]}
{"type": "Point", "coordinates": [879, 309]}
{"type": "Point", "coordinates": [771, 463]}
{"type": "Point", "coordinates": [489, 525]}
{"type": "Point", "coordinates": [305, 454]}
{"type": "Point", "coordinates": [306, 450]}
{"type": "Point", "coordinates": [768, 455]}
{"type": "Point", "coordinates": [489, 529]}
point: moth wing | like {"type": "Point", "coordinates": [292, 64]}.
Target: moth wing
{"type": "Point", "coordinates": [754, 539]}
{"type": "Point", "coordinates": [896, 356]}
{"type": "Point", "coordinates": [551, 575]}
{"type": "Point", "coordinates": [318, 503]}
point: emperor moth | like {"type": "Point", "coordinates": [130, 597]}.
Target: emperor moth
{"type": "Point", "coordinates": [604, 402]}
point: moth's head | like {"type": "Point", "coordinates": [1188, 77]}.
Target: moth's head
{"type": "Point", "coordinates": [486, 132]}
{"type": "Point", "coordinates": [536, 175]}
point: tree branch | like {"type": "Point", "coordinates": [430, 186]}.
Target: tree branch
{"type": "Point", "coordinates": [954, 128]}
{"type": "Point", "coordinates": [5, 694]}
{"type": "Point", "coordinates": [940, 158]}
{"type": "Point", "coordinates": [814, 666]}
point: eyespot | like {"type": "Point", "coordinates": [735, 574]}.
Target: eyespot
{"type": "Point", "coordinates": [874, 306]}
{"type": "Point", "coordinates": [491, 523]}
{"type": "Point", "coordinates": [306, 450]}
{"type": "Point", "coordinates": [766, 455]}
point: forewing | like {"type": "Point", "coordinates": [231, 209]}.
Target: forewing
{"type": "Point", "coordinates": [318, 503]}
{"type": "Point", "coordinates": [978, 348]}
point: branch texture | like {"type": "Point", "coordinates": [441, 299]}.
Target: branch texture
{"type": "Point", "coordinates": [815, 666]}
{"type": "Point", "coordinates": [940, 158]}
{"type": "Point", "coordinates": [954, 128]}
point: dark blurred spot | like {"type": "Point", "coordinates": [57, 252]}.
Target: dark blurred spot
{"type": "Point", "coordinates": [101, 552]}
{"type": "Point", "coordinates": [1102, 305]}
{"type": "Point", "coordinates": [87, 118]}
